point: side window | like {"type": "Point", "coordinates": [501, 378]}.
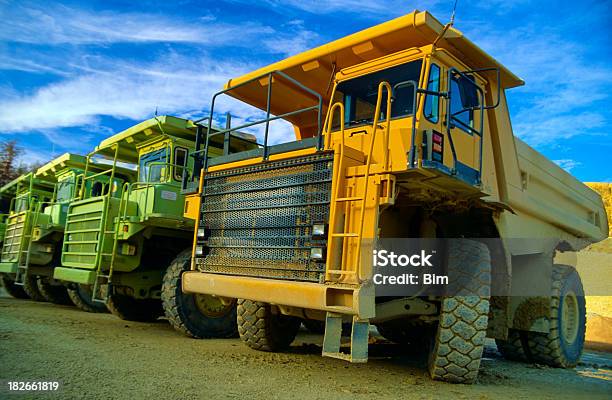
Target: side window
{"type": "Point", "coordinates": [431, 109]}
{"type": "Point", "coordinates": [463, 116]}
{"type": "Point", "coordinates": [180, 159]}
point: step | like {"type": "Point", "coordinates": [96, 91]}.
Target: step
{"type": "Point", "coordinates": [348, 234]}
{"type": "Point", "coordinates": [360, 334]}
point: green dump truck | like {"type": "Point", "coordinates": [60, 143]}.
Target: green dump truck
{"type": "Point", "coordinates": [121, 240]}
{"type": "Point", "coordinates": [30, 193]}
{"type": "Point", "coordinates": [36, 225]}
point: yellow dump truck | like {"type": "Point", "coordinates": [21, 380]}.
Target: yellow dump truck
{"type": "Point", "coordinates": [402, 132]}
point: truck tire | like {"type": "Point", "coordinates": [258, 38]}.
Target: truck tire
{"type": "Point", "coordinates": [11, 288]}
{"type": "Point", "coordinates": [314, 326]}
{"type": "Point", "coordinates": [562, 346]}
{"type": "Point", "coordinates": [401, 332]}
{"type": "Point", "coordinates": [81, 298]}
{"type": "Point", "coordinates": [131, 309]}
{"type": "Point", "coordinates": [195, 315]}
{"type": "Point", "coordinates": [56, 294]}
{"type": "Point", "coordinates": [458, 344]}
{"type": "Point", "coordinates": [512, 348]}
{"type": "Point", "coordinates": [30, 286]}
{"type": "Point", "coordinates": [263, 330]}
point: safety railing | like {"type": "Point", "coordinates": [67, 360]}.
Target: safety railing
{"type": "Point", "coordinates": [362, 197]}
{"type": "Point", "coordinates": [203, 153]}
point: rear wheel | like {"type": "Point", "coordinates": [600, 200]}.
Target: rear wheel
{"type": "Point", "coordinates": [261, 329]}
{"type": "Point", "coordinates": [314, 326]}
{"type": "Point", "coordinates": [53, 292]}
{"type": "Point", "coordinates": [196, 315]}
{"type": "Point", "coordinates": [405, 333]}
{"type": "Point", "coordinates": [11, 288]}
{"type": "Point", "coordinates": [562, 346]}
{"type": "Point", "coordinates": [457, 348]}
{"type": "Point", "coordinates": [81, 297]}
{"type": "Point", "coordinates": [512, 349]}
{"type": "Point", "coordinates": [131, 309]}
{"type": "Point", "coordinates": [30, 286]}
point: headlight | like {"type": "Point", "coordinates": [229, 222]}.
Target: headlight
{"type": "Point", "coordinates": [199, 250]}
{"type": "Point", "coordinates": [317, 253]}
{"type": "Point", "coordinates": [201, 233]}
{"type": "Point", "coordinates": [318, 230]}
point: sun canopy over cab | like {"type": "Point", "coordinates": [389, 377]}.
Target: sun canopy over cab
{"type": "Point", "coordinates": [9, 189]}
{"type": "Point", "coordinates": [129, 139]}
{"type": "Point", "coordinates": [49, 171]}
{"type": "Point", "coordinates": [316, 68]}
{"type": "Point", "coordinates": [24, 181]}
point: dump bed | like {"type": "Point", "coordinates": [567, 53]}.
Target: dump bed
{"type": "Point", "coordinates": [555, 196]}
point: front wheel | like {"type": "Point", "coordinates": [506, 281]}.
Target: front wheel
{"type": "Point", "coordinates": [131, 309]}
{"type": "Point", "coordinates": [30, 286]}
{"type": "Point", "coordinates": [12, 288]}
{"type": "Point", "coordinates": [81, 296]}
{"type": "Point", "coordinates": [462, 327]}
{"type": "Point", "coordinates": [196, 315]}
{"type": "Point", "coordinates": [53, 292]}
{"type": "Point", "coordinates": [262, 329]}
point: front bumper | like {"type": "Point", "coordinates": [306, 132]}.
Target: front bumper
{"type": "Point", "coordinates": [344, 299]}
{"type": "Point", "coordinates": [83, 276]}
{"type": "Point", "coordinates": [8, 268]}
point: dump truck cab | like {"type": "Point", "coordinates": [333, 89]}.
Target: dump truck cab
{"type": "Point", "coordinates": [119, 240]}
{"type": "Point", "coordinates": [402, 132]}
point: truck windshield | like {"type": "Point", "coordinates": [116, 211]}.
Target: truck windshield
{"type": "Point", "coordinates": [64, 189]}
{"type": "Point", "coordinates": [21, 203]}
{"type": "Point", "coordinates": [359, 94]}
{"type": "Point", "coordinates": [150, 168]}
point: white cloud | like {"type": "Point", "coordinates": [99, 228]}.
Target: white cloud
{"type": "Point", "coordinates": [120, 90]}
{"type": "Point", "coordinates": [61, 25]}
{"type": "Point", "coordinates": [567, 164]}
{"type": "Point", "coordinates": [57, 24]}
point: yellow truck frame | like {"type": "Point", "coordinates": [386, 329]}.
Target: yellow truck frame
{"type": "Point", "coordinates": [288, 229]}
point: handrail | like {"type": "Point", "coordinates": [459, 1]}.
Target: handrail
{"type": "Point", "coordinates": [270, 76]}
{"type": "Point", "coordinates": [148, 183]}
{"type": "Point", "coordinates": [452, 119]}
{"type": "Point", "coordinates": [382, 85]}
{"type": "Point", "coordinates": [337, 168]}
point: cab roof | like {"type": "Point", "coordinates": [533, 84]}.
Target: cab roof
{"type": "Point", "coordinates": [10, 188]}
{"type": "Point", "coordinates": [315, 68]}
{"type": "Point", "coordinates": [130, 138]}
{"type": "Point", "coordinates": [68, 160]}
{"type": "Point", "coordinates": [39, 182]}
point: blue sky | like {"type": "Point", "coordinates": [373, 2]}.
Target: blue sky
{"type": "Point", "coordinates": [72, 72]}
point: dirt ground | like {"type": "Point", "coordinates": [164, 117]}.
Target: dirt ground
{"type": "Point", "coordinates": [98, 356]}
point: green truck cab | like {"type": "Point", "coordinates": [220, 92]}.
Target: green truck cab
{"type": "Point", "coordinates": [119, 242]}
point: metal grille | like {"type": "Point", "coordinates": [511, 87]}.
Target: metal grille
{"type": "Point", "coordinates": [259, 218]}
{"type": "Point", "coordinates": [15, 240]}
{"type": "Point", "coordinates": [82, 235]}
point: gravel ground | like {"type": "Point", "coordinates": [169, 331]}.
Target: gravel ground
{"type": "Point", "coordinates": [97, 356]}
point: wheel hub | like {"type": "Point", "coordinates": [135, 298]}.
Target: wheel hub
{"type": "Point", "coordinates": [212, 306]}
{"type": "Point", "coordinates": [570, 317]}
